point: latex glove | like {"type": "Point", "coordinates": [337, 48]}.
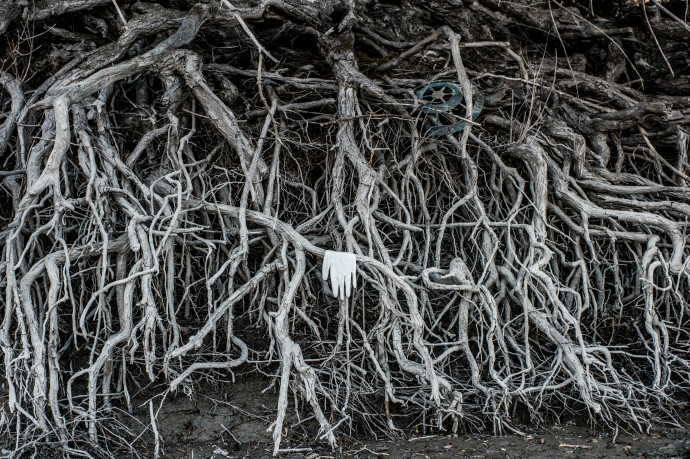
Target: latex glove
{"type": "Point", "coordinates": [343, 270]}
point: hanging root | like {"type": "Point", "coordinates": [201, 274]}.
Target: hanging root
{"type": "Point", "coordinates": [171, 188]}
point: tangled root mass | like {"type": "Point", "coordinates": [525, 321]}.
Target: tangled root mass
{"type": "Point", "coordinates": [174, 173]}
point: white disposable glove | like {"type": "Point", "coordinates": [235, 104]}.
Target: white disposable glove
{"type": "Point", "coordinates": [343, 269]}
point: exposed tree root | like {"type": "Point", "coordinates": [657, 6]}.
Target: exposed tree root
{"type": "Point", "coordinates": [174, 175]}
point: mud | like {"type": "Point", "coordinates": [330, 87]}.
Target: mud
{"type": "Point", "coordinates": [557, 441]}
{"type": "Point", "coordinates": [231, 421]}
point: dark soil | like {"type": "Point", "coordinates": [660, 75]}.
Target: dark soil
{"type": "Point", "coordinates": [217, 424]}
{"type": "Point", "coordinates": [557, 441]}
